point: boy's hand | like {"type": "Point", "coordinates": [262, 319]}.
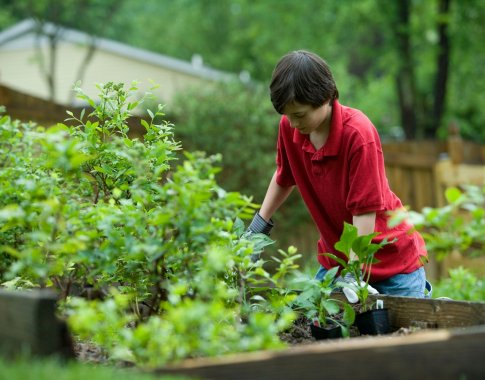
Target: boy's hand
{"type": "Point", "coordinates": [258, 226]}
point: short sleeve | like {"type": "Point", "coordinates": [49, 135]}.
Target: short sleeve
{"type": "Point", "coordinates": [366, 176]}
{"type": "Point", "coordinates": [284, 174]}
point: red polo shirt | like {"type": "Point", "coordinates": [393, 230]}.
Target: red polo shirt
{"type": "Point", "coordinates": [346, 177]}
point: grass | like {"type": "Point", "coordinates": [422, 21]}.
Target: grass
{"type": "Point", "coordinates": [48, 369]}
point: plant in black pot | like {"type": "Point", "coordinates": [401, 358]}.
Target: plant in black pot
{"type": "Point", "coordinates": [330, 318]}
{"type": "Point", "coordinates": [354, 280]}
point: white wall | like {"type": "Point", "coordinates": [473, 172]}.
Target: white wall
{"type": "Point", "coordinates": [19, 69]}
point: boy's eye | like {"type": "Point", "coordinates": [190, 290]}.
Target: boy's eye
{"type": "Point", "coordinates": [299, 115]}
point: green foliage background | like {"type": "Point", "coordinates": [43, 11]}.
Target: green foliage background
{"type": "Point", "coordinates": [357, 38]}
{"type": "Point", "coordinates": [239, 122]}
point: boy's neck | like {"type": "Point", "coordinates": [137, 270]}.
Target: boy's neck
{"type": "Point", "coordinates": [319, 137]}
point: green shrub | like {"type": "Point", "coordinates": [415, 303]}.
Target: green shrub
{"type": "Point", "coordinates": [460, 225]}
{"type": "Point", "coordinates": [240, 123]}
{"type": "Point", "coordinates": [236, 121]}
{"type": "Point", "coordinates": [462, 284]}
{"type": "Point", "coordinates": [161, 245]}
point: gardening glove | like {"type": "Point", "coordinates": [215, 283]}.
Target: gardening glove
{"type": "Point", "coordinates": [258, 226]}
{"type": "Point", "coordinates": [350, 287]}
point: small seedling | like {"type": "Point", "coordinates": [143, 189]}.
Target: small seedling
{"type": "Point", "coordinates": [364, 250]}
{"type": "Point", "coordinates": [315, 302]}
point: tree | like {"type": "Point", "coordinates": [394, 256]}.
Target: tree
{"type": "Point", "coordinates": [91, 16]}
{"type": "Point", "coordinates": [421, 115]}
{"type": "Point", "coordinates": [403, 62]}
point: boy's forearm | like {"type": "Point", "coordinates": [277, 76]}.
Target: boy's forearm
{"type": "Point", "coordinates": [365, 224]}
{"type": "Point", "coordinates": [276, 195]}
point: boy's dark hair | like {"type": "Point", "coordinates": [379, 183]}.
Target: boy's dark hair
{"type": "Point", "coordinates": [303, 77]}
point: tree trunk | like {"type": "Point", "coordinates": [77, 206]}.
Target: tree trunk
{"type": "Point", "coordinates": [405, 81]}
{"type": "Point", "coordinates": [442, 65]}
{"type": "Point", "coordinates": [50, 74]}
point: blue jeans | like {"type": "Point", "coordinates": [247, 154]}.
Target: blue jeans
{"type": "Point", "coordinates": [412, 284]}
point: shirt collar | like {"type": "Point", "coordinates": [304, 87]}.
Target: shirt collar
{"type": "Point", "coordinates": [332, 146]}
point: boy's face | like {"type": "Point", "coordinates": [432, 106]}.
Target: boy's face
{"type": "Point", "coordinates": [308, 119]}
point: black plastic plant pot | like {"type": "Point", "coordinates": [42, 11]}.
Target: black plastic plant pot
{"type": "Point", "coordinates": [328, 332]}
{"type": "Point", "coordinates": [373, 322]}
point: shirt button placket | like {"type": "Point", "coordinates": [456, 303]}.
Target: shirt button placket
{"type": "Point", "coordinates": [317, 164]}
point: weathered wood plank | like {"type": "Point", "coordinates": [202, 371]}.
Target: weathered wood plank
{"type": "Point", "coordinates": [436, 354]}
{"type": "Point", "coordinates": [429, 313]}
{"type": "Point", "coordinates": [409, 312]}
{"type": "Point", "coordinates": [416, 160]}
{"type": "Point", "coordinates": [28, 324]}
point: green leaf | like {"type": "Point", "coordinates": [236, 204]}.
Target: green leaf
{"type": "Point", "coordinates": [336, 258]}
{"type": "Point", "coordinates": [453, 195]}
{"type": "Point", "coordinates": [331, 306]}
{"type": "Point", "coordinates": [348, 315]}
{"type": "Point", "coordinates": [145, 124]}
{"type": "Point", "coordinates": [100, 169]}
{"type": "Point", "coordinates": [238, 227]}
{"type": "Point", "coordinates": [330, 274]}
{"type": "Point", "coordinates": [349, 234]}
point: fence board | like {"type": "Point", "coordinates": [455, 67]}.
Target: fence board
{"type": "Point", "coordinates": [411, 167]}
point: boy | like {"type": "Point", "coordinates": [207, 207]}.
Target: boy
{"type": "Point", "coordinates": [333, 155]}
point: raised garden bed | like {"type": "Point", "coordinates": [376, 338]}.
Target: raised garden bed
{"type": "Point", "coordinates": [449, 345]}
{"type": "Point", "coordinates": [439, 354]}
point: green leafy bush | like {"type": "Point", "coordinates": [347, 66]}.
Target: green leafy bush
{"type": "Point", "coordinates": [239, 122]}
{"type": "Point", "coordinates": [316, 303]}
{"type": "Point", "coordinates": [462, 284]}
{"type": "Point", "coordinates": [236, 121]}
{"type": "Point", "coordinates": [460, 225]}
{"type": "Point", "coordinates": [364, 250]}
{"type": "Point", "coordinates": [86, 210]}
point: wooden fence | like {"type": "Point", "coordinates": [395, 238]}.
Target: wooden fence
{"type": "Point", "coordinates": [30, 108]}
{"type": "Point", "coordinates": [420, 171]}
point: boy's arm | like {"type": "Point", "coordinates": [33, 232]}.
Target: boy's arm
{"type": "Point", "coordinates": [365, 224]}
{"type": "Point", "coordinates": [275, 196]}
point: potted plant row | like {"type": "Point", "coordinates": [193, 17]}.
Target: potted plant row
{"type": "Point", "coordinates": [332, 318]}
{"type": "Point", "coordinates": [372, 319]}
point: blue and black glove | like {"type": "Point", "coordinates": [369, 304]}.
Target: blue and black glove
{"type": "Point", "coordinates": [258, 226]}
